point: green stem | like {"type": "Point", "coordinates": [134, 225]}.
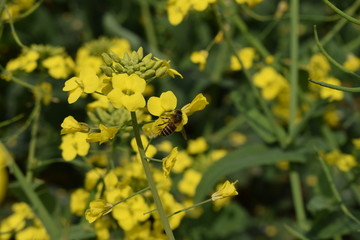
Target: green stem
{"type": "Point", "coordinates": [322, 50]}
{"type": "Point", "coordinates": [150, 179]}
{"type": "Point", "coordinates": [277, 129]}
{"type": "Point", "coordinates": [149, 25]}
{"type": "Point", "coordinates": [341, 13]}
{"type": "Point", "coordinates": [336, 192]}
{"type": "Point", "coordinates": [340, 24]}
{"type": "Point", "coordinates": [340, 88]}
{"type": "Point", "coordinates": [50, 225]}
{"type": "Point", "coordinates": [12, 120]}
{"type": "Point", "coordinates": [294, 55]}
{"type": "Point", "coordinates": [132, 195]}
{"type": "Point", "coordinates": [153, 159]}
{"type": "Point", "coordinates": [188, 208]}
{"type": "Point", "coordinates": [32, 161]}
{"type": "Point", "coordinates": [295, 233]}
{"type": "Point", "coordinates": [297, 198]}
{"type": "Point", "coordinates": [13, 31]}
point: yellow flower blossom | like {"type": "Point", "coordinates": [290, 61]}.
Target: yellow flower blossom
{"type": "Point", "coordinates": [226, 190]}
{"type": "Point", "coordinates": [78, 201]}
{"type": "Point", "coordinates": [332, 117]}
{"type": "Point", "coordinates": [127, 92]}
{"type": "Point", "coordinates": [169, 161]}
{"type": "Point", "coordinates": [318, 67]}
{"type": "Point", "coordinates": [189, 182]}
{"type": "Point", "coordinates": [84, 59]}
{"type": "Point", "coordinates": [120, 46]}
{"type": "Point", "coordinates": [344, 162]}
{"type": "Point", "coordinates": [110, 180]}
{"type": "Point", "coordinates": [33, 232]}
{"type": "Point", "coordinates": [170, 206]}
{"type": "Point", "coordinates": [92, 177]}
{"type": "Point", "coordinates": [105, 134]}
{"type": "Point", "coordinates": [352, 63]}
{"type": "Point", "coordinates": [237, 139]}
{"type": "Point", "coordinates": [59, 66]}
{"type": "Point", "coordinates": [183, 161]}
{"type": "Point", "coordinates": [87, 82]}
{"type": "Point", "coordinates": [165, 146]}
{"type": "Point", "coordinates": [201, 5]}
{"type": "Point", "coordinates": [271, 83]}
{"type": "Point", "coordinates": [150, 149]}
{"type": "Point", "coordinates": [331, 94]}
{"type": "Point", "coordinates": [216, 155]}
{"type": "Point", "coordinates": [246, 55]}
{"type": "Point", "coordinates": [197, 146]}
{"type": "Point", "coordinates": [158, 105]}
{"type": "Point", "coordinates": [100, 102]}
{"type": "Point", "coordinates": [197, 104]}
{"type": "Point", "coordinates": [45, 91]}
{"type": "Point", "coordinates": [131, 213]}
{"type": "Point", "coordinates": [26, 62]}
{"type": "Point", "coordinates": [177, 10]}
{"type": "Point", "coordinates": [70, 125]}
{"type": "Point", "coordinates": [356, 143]}
{"type": "Point", "coordinates": [74, 144]}
{"type": "Point", "coordinates": [200, 58]}
{"type": "Point", "coordinates": [283, 165]}
{"type": "Point", "coordinates": [98, 208]}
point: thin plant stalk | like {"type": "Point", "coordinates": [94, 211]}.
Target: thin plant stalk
{"type": "Point", "coordinates": [150, 179]}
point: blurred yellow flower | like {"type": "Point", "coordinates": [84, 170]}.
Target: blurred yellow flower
{"type": "Point", "coordinates": [197, 104]}
{"type": "Point", "coordinates": [189, 182]}
{"type": "Point", "coordinates": [98, 208]}
{"type": "Point", "coordinates": [201, 5]}
{"type": "Point", "coordinates": [127, 92]}
{"type": "Point", "coordinates": [59, 66]}
{"type": "Point", "coordinates": [199, 57]}
{"type": "Point", "coordinates": [246, 55]}
{"type": "Point", "coordinates": [150, 149]}
{"type": "Point", "coordinates": [318, 67]}
{"type": "Point", "coordinates": [356, 143]}
{"type": "Point", "coordinates": [177, 10]}
{"type": "Point", "coordinates": [283, 165]}
{"type": "Point", "coordinates": [226, 190]}
{"type": "Point", "coordinates": [344, 162]}
{"type": "Point", "coordinates": [78, 201]}
{"type": "Point", "coordinates": [87, 82]}
{"type": "Point", "coordinates": [105, 134]}
{"type": "Point", "coordinates": [331, 94]}
{"type": "Point", "coordinates": [92, 177]}
{"type": "Point", "coordinates": [197, 146]}
{"type": "Point", "coordinates": [352, 63]}
{"type": "Point", "coordinates": [169, 161]}
{"type": "Point", "coordinates": [271, 83]}
{"type": "Point", "coordinates": [74, 144]}
{"type": "Point", "coordinates": [183, 161]}
{"type": "Point", "coordinates": [71, 125]}
{"type": "Point", "coordinates": [26, 62]}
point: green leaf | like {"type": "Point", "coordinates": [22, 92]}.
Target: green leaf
{"type": "Point", "coordinates": [81, 231]}
{"type": "Point", "coordinates": [260, 124]}
{"type": "Point", "coordinates": [330, 224]}
{"type": "Point", "coordinates": [244, 157]}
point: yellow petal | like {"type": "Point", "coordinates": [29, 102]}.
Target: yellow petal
{"type": "Point", "coordinates": [114, 97]}
{"type": "Point", "coordinates": [199, 103]}
{"type": "Point", "coordinates": [168, 101]}
{"type": "Point", "coordinates": [71, 84]}
{"type": "Point", "coordinates": [90, 80]}
{"type": "Point", "coordinates": [154, 106]}
{"type": "Point", "coordinates": [74, 95]}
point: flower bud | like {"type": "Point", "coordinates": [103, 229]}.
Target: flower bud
{"type": "Point", "coordinates": [119, 68]}
{"type": "Point", "coordinates": [161, 72]}
{"type": "Point", "coordinates": [106, 70]}
{"type": "Point", "coordinates": [140, 53]}
{"type": "Point", "coordinates": [134, 57]}
{"type": "Point", "coordinates": [114, 56]}
{"type": "Point", "coordinates": [147, 58]}
{"type": "Point", "coordinates": [157, 64]}
{"type": "Point", "coordinates": [107, 59]}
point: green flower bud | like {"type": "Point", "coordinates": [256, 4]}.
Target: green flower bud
{"type": "Point", "coordinates": [149, 74]}
{"type": "Point", "coordinates": [147, 58]}
{"type": "Point", "coordinates": [107, 59]}
{"type": "Point", "coordinates": [119, 68]}
{"type": "Point", "coordinates": [157, 64]}
{"type": "Point", "coordinates": [140, 52]}
{"type": "Point", "coordinates": [114, 56]}
{"type": "Point", "coordinates": [161, 72]}
{"type": "Point", "coordinates": [134, 57]}
{"type": "Point", "coordinates": [106, 70]}
{"type": "Point", "coordinates": [126, 59]}
{"type": "Point", "coordinates": [150, 64]}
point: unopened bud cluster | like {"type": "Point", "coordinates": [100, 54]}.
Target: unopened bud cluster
{"type": "Point", "coordinates": [111, 117]}
{"type": "Point", "coordinates": [145, 67]}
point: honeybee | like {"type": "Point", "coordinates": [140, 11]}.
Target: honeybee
{"type": "Point", "coordinates": [173, 121]}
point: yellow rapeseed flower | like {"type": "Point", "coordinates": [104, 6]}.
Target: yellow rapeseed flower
{"type": "Point", "coordinates": [59, 66]}
{"type": "Point", "coordinates": [271, 83]}
{"type": "Point", "coordinates": [331, 94]}
{"type": "Point", "coordinates": [71, 125]}
{"type": "Point", "coordinates": [344, 162]}
{"type": "Point", "coordinates": [87, 82]}
{"type": "Point", "coordinates": [246, 55]}
{"type": "Point", "coordinates": [127, 92]}
{"type": "Point", "coordinates": [189, 182]}
{"type": "Point", "coordinates": [78, 201]}
{"type": "Point", "coordinates": [169, 161]}
{"type": "Point", "coordinates": [26, 62]}
{"type": "Point", "coordinates": [356, 143]}
{"type": "Point", "coordinates": [177, 10]}
{"type": "Point", "coordinates": [197, 146]}
{"type": "Point", "coordinates": [251, 3]}
{"type": "Point", "coordinates": [318, 67]}
{"type": "Point", "coordinates": [74, 144]}
{"type": "Point", "coordinates": [98, 208]}
{"type": "Point", "coordinates": [352, 63]}
{"type": "Point", "coordinates": [226, 190]}
{"type": "Point", "coordinates": [105, 134]}
{"type": "Point", "coordinates": [199, 57]}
